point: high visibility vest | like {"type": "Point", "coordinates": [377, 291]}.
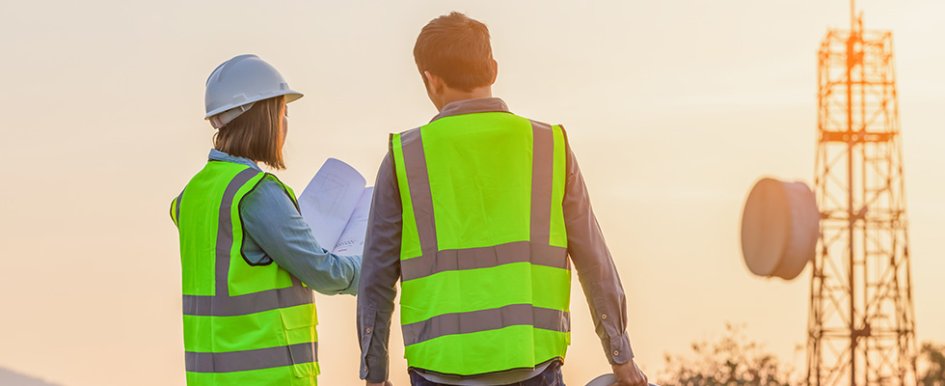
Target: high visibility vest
{"type": "Point", "coordinates": [485, 273]}
{"type": "Point", "coordinates": [245, 323]}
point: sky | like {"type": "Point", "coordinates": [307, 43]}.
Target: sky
{"type": "Point", "coordinates": [674, 108]}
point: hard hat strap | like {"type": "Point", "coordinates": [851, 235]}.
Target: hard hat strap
{"type": "Point", "coordinates": [222, 119]}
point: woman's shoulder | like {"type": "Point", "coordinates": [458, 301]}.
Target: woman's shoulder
{"type": "Point", "coordinates": [269, 190]}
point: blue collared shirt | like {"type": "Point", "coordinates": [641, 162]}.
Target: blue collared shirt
{"type": "Point", "coordinates": [275, 230]}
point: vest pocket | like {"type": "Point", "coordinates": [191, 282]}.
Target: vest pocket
{"type": "Point", "coordinates": [301, 338]}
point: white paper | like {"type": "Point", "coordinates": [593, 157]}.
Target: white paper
{"type": "Point", "coordinates": [351, 241]}
{"type": "Point", "coordinates": [336, 205]}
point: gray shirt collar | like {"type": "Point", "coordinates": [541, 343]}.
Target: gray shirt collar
{"type": "Point", "coordinates": [216, 155]}
{"type": "Point", "coordinates": [470, 106]}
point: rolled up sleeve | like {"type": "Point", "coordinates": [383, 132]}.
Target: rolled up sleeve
{"type": "Point", "coordinates": [380, 273]}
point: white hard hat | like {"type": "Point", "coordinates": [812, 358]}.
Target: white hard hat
{"type": "Point", "coordinates": [607, 380]}
{"type": "Point", "coordinates": [235, 85]}
{"type": "Point", "coordinates": [603, 380]}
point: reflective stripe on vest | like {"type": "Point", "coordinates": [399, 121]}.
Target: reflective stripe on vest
{"type": "Point", "coordinates": [492, 330]}
{"type": "Point", "coordinates": [226, 323]}
{"type": "Point", "coordinates": [484, 320]}
{"type": "Point", "coordinates": [250, 359]}
{"type": "Point", "coordinates": [175, 208]}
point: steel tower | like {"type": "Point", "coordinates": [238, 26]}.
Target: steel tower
{"type": "Point", "coordinates": [861, 328]}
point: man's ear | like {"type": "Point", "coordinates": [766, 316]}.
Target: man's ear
{"type": "Point", "coordinates": [434, 83]}
{"type": "Point", "coordinates": [428, 78]}
{"type": "Point", "coordinates": [495, 71]}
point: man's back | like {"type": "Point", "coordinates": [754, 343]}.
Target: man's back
{"type": "Point", "coordinates": [476, 214]}
{"type": "Point", "coordinates": [485, 202]}
{"type": "Point", "coordinates": [479, 160]}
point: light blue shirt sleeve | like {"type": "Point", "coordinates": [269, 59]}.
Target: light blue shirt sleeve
{"type": "Point", "coordinates": [271, 220]}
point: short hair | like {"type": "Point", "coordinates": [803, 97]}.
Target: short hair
{"type": "Point", "coordinates": [257, 134]}
{"type": "Point", "coordinates": [456, 48]}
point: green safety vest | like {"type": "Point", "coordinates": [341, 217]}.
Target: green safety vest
{"type": "Point", "coordinates": [485, 274]}
{"type": "Point", "coordinates": [245, 323]}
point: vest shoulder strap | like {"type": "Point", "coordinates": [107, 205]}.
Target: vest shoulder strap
{"type": "Point", "coordinates": [285, 188]}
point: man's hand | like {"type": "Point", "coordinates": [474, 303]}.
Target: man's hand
{"type": "Point", "coordinates": [385, 383]}
{"type": "Point", "coordinates": [628, 374]}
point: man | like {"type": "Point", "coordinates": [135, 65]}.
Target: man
{"type": "Point", "coordinates": [476, 214]}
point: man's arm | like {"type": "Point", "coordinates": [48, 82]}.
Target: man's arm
{"type": "Point", "coordinates": [595, 267]}
{"type": "Point", "coordinates": [380, 271]}
{"type": "Point", "coordinates": [598, 277]}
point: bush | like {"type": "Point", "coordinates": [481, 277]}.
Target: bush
{"type": "Point", "coordinates": [732, 360]}
{"type": "Point", "coordinates": [932, 371]}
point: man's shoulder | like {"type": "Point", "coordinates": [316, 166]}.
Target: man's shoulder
{"type": "Point", "coordinates": [541, 124]}
{"type": "Point", "coordinates": [405, 133]}
{"type": "Point", "coordinates": [410, 131]}
{"type": "Point", "coordinates": [545, 126]}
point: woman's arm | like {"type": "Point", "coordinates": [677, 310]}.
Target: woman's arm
{"type": "Point", "coordinates": [272, 221]}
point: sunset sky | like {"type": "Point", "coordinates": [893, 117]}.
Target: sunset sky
{"type": "Point", "coordinates": [674, 108]}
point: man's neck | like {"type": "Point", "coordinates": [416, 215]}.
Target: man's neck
{"type": "Point", "coordinates": [451, 95]}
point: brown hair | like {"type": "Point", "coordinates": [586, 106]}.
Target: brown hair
{"type": "Point", "coordinates": [456, 48]}
{"type": "Point", "coordinates": [257, 134]}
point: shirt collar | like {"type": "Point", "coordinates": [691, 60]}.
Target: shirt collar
{"type": "Point", "coordinates": [216, 155]}
{"type": "Point", "coordinates": [470, 106]}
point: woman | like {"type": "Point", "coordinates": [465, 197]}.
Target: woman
{"type": "Point", "coordinates": [246, 254]}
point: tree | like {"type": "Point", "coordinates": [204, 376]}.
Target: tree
{"type": "Point", "coordinates": [732, 360]}
{"type": "Point", "coordinates": [933, 365]}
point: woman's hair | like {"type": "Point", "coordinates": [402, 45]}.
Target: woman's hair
{"type": "Point", "coordinates": [257, 134]}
